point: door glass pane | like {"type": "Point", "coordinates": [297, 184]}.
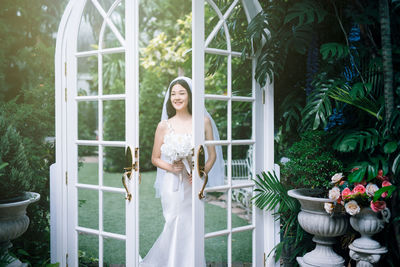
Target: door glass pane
{"type": "Point", "coordinates": [88, 250]}
{"type": "Point", "coordinates": [215, 211]}
{"type": "Point", "coordinates": [114, 212]}
{"type": "Point", "coordinates": [87, 120]}
{"type": "Point", "coordinates": [242, 206]}
{"type": "Point", "coordinates": [87, 76]}
{"type": "Point", "coordinates": [242, 249]}
{"type": "Point", "coordinates": [218, 111]}
{"type": "Point", "coordinates": [89, 28]}
{"type": "Point", "coordinates": [114, 120]}
{"type": "Point", "coordinates": [241, 120]}
{"type": "Point", "coordinates": [110, 40]}
{"type": "Point", "coordinates": [216, 251]}
{"type": "Point", "coordinates": [215, 68]}
{"type": "Point", "coordinates": [242, 158]}
{"type": "Point", "coordinates": [113, 166]}
{"type": "Point", "coordinates": [241, 77]}
{"type": "Point", "coordinates": [114, 74]}
{"type": "Point", "coordinates": [88, 208]}
{"type": "Point", "coordinates": [88, 165]}
{"type": "Point", "coordinates": [118, 18]}
{"type": "Point", "coordinates": [114, 252]}
{"type": "Point", "coordinates": [238, 22]}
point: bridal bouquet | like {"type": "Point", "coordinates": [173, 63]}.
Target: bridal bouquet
{"type": "Point", "coordinates": [354, 192]}
{"type": "Point", "coordinates": [177, 147]}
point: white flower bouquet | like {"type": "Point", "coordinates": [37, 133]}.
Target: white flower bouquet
{"type": "Point", "coordinates": [177, 147]}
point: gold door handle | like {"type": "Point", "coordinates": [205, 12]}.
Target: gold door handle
{"type": "Point", "coordinates": [128, 194]}
{"type": "Point", "coordinates": [205, 176]}
{"type": "Point", "coordinates": [201, 169]}
{"type": "Point", "coordinates": [128, 171]}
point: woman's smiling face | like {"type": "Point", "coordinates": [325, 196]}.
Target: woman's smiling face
{"type": "Point", "coordinates": [179, 97]}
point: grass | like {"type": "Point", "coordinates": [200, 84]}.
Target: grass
{"type": "Point", "coordinates": [151, 221]}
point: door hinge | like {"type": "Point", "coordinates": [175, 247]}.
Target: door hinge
{"type": "Point", "coordinates": [66, 180]}
{"type": "Point", "coordinates": [65, 68]}
{"type": "Point", "coordinates": [65, 94]}
{"type": "Point", "coordinates": [264, 259]}
{"type": "Point", "coordinates": [66, 259]}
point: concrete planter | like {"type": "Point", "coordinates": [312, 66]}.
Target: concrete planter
{"type": "Point", "coordinates": [365, 250]}
{"type": "Point", "coordinates": [315, 220]}
{"type": "Point", "coordinates": [13, 223]}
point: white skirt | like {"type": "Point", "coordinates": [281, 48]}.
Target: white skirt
{"type": "Point", "coordinates": [174, 246]}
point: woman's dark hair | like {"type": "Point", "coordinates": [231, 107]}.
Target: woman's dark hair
{"type": "Point", "coordinates": [170, 109]}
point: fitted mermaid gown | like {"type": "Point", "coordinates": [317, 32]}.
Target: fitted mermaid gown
{"type": "Point", "coordinates": [173, 247]}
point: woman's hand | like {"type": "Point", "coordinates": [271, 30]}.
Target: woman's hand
{"type": "Point", "coordinates": [177, 166]}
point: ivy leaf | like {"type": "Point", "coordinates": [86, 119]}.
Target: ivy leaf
{"type": "Point", "coordinates": [357, 176]}
{"type": "Point", "coordinates": [389, 189]}
{"type": "Point", "coordinates": [390, 147]}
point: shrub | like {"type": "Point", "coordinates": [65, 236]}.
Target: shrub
{"type": "Point", "coordinates": [16, 175]}
{"type": "Point", "coordinates": [312, 162]}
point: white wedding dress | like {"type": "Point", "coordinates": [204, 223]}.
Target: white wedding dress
{"type": "Point", "coordinates": [173, 247]}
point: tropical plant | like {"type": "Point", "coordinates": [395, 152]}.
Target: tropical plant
{"type": "Point", "coordinates": [271, 195]}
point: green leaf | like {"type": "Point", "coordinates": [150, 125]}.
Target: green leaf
{"type": "Point", "coordinates": [22, 252]}
{"type": "Point", "coordinates": [389, 189]}
{"type": "Point", "coordinates": [333, 51]}
{"type": "Point", "coordinates": [372, 172]}
{"type": "Point", "coordinates": [390, 147]}
{"type": "Point", "coordinates": [357, 176]}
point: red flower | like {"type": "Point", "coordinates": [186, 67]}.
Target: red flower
{"type": "Point", "coordinates": [359, 189]}
{"type": "Point", "coordinates": [378, 205]}
{"type": "Point", "coordinates": [346, 193]}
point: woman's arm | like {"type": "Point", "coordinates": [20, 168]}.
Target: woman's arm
{"type": "Point", "coordinates": [156, 154]}
{"type": "Point", "coordinates": [210, 148]}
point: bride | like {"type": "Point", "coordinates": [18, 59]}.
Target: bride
{"type": "Point", "coordinates": [174, 246]}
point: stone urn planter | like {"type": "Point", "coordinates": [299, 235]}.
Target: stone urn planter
{"type": "Point", "coordinates": [325, 227]}
{"type": "Point", "coordinates": [364, 249]}
{"type": "Point", "coordinates": [13, 223]}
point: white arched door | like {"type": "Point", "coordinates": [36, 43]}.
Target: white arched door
{"type": "Point", "coordinates": [97, 119]}
{"type": "Point", "coordinates": [238, 105]}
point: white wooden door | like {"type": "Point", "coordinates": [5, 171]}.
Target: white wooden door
{"type": "Point", "coordinates": [227, 227]}
{"type": "Point", "coordinates": [101, 95]}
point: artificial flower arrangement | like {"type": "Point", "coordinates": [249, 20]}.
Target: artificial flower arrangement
{"type": "Point", "coordinates": [353, 192]}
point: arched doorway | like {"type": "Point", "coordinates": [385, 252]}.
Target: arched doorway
{"type": "Point", "coordinates": [85, 99]}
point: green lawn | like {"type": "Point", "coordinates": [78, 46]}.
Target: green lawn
{"type": "Point", "coordinates": [151, 221]}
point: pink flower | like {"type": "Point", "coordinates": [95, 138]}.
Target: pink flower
{"type": "Point", "coordinates": [346, 193]}
{"type": "Point", "coordinates": [378, 205]}
{"type": "Point", "coordinates": [381, 177]}
{"type": "Point", "coordinates": [385, 183]}
{"type": "Point", "coordinates": [359, 189]}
